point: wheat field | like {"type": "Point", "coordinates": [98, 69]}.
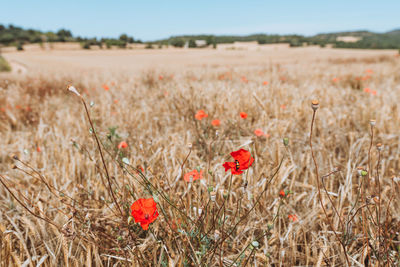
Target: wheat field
{"type": "Point", "coordinates": [63, 203]}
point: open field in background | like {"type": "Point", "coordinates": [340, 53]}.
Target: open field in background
{"type": "Point", "coordinates": [151, 99]}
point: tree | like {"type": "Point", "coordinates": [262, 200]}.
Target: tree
{"type": "Point", "coordinates": [19, 46]}
{"type": "Point", "coordinates": [85, 45]}
{"type": "Point", "coordinates": [177, 42]}
{"type": "Point", "coordinates": [192, 43]}
{"type": "Point", "coordinates": [6, 38]}
{"type": "Point", "coordinates": [64, 33]}
{"type": "Point", "coordinates": [123, 37]}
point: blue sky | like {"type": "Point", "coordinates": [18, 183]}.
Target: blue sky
{"type": "Point", "coordinates": [151, 20]}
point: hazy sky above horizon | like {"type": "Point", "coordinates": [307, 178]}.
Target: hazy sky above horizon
{"type": "Point", "coordinates": [151, 20]}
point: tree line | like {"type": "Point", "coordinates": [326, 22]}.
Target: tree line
{"type": "Point", "coordinates": [16, 36]}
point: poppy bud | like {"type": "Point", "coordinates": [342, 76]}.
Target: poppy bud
{"type": "Point", "coordinates": [359, 170]}
{"type": "Point", "coordinates": [189, 145]}
{"type": "Point", "coordinates": [285, 141]}
{"type": "Point", "coordinates": [314, 104]}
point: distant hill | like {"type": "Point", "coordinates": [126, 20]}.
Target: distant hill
{"type": "Point", "coordinates": [16, 36]}
{"type": "Point", "coordinates": [368, 40]}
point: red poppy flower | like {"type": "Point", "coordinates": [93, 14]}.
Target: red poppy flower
{"type": "Point", "coordinates": [144, 211]}
{"type": "Point", "coordinates": [283, 106]}
{"type": "Point", "coordinates": [38, 149]}
{"type": "Point", "coordinates": [244, 79]}
{"type": "Point", "coordinates": [201, 114]}
{"type": "Point", "coordinates": [216, 123]}
{"type": "Point", "coordinates": [265, 83]}
{"type": "Point", "coordinates": [140, 168]}
{"type": "Point", "coordinates": [367, 90]}
{"type": "Point", "coordinates": [293, 217]}
{"type": "Point", "coordinates": [335, 80]}
{"type": "Point", "coordinates": [123, 144]}
{"type": "Point", "coordinates": [160, 77]}
{"type": "Point", "coordinates": [373, 92]}
{"type": "Point", "coordinates": [105, 87]}
{"type": "Point", "coordinates": [243, 161]}
{"type": "Point", "coordinates": [243, 115]}
{"type": "Point", "coordinates": [259, 132]}
{"type": "Point", "coordinates": [282, 193]}
{"type": "Point", "coordinates": [193, 176]}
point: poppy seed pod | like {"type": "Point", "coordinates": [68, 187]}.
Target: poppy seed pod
{"type": "Point", "coordinates": [73, 90]}
{"type": "Point", "coordinates": [213, 196]}
{"type": "Point", "coordinates": [372, 123]}
{"type": "Point", "coordinates": [255, 244]}
{"type": "Point", "coordinates": [336, 169]}
{"type": "Point", "coordinates": [314, 104]}
{"type": "Point", "coordinates": [216, 235]}
{"type": "Point", "coordinates": [379, 146]}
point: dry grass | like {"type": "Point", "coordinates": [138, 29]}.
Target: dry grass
{"type": "Point", "coordinates": [60, 212]}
